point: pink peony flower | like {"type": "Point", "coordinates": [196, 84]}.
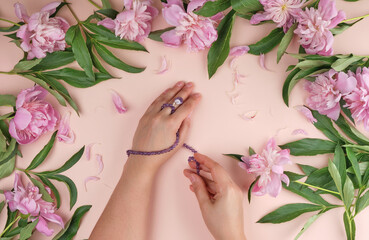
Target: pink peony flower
{"type": "Point", "coordinates": [327, 91]}
{"type": "Point", "coordinates": [33, 117]}
{"type": "Point", "coordinates": [282, 12]}
{"type": "Point", "coordinates": [134, 23]}
{"type": "Point", "coordinates": [269, 168]}
{"type": "Point", "coordinates": [196, 31]}
{"type": "Point", "coordinates": [314, 27]}
{"type": "Point", "coordinates": [40, 33]}
{"type": "Point", "coordinates": [358, 100]}
{"type": "Point", "coordinates": [28, 201]}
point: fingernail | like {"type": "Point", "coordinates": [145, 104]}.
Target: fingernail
{"type": "Point", "coordinates": [192, 178]}
{"type": "Point", "coordinates": [197, 95]}
{"type": "Point", "coordinates": [188, 85]}
{"type": "Point", "coordinates": [180, 84]}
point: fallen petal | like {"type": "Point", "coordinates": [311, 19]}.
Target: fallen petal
{"type": "Point", "coordinates": [91, 178]}
{"type": "Point", "coordinates": [239, 51]}
{"type": "Point", "coordinates": [65, 134]}
{"type": "Point", "coordinates": [262, 62]}
{"type": "Point", "coordinates": [100, 162]}
{"type": "Point", "coordinates": [164, 66]}
{"type": "Point", "coordinates": [234, 99]}
{"type": "Point", "coordinates": [299, 131]}
{"type": "Point", "coordinates": [88, 151]}
{"type": "Point", "coordinates": [306, 112]}
{"type": "Point", "coordinates": [247, 116]}
{"type": "Point", "coordinates": [117, 100]}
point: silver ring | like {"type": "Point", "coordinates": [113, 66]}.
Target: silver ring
{"type": "Point", "coordinates": [177, 102]}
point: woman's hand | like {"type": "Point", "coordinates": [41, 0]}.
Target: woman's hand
{"type": "Point", "coordinates": [220, 199]}
{"type": "Point", "coordinates": [157, 128]}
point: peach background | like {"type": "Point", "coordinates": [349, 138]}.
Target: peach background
{"type": "Point", "coordinates": [216, 128]}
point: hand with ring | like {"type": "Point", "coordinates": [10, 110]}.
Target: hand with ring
{"type": "Point", "coordinates": [157, 129]}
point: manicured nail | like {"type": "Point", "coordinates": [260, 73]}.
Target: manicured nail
{"type": "Point", "coordinates": [188, 85]}
{"type": "Point", "coordinates": [180, 84]}
{"type": "Point", "coordinates": [192, 178]}
{"type": "Point", "coordinates": [197, 95]}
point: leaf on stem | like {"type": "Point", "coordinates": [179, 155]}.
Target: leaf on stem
{"type": "Point", "coordinates": [310, 147]}
{"type": "Point", "coordinates": [41, 156]}
{"type": "Point", "coordinates": [286, 40]}
{"type": "Point", "coordinates": [211, 8]}
{"type": "Point", "coordinates": [267, 44]}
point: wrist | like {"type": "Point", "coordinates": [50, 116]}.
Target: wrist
{"type": "Point", "coordinates": [142, 165]}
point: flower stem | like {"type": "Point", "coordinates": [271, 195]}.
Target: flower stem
{"type": "Point", "coordinates": [8, 73]}
{"type": "Point", "coordinates": [319, 188]}
{"type": "Point", "coordinates": [95, 4]}
{"type": "Point", "coordinates": [73, 13]}
{"type": "Point", "coordinates": [355, 18]}
{"type": "Point", "coordinates": [16, 24]}
{"type": "Point", "coordinates": [10, 225]}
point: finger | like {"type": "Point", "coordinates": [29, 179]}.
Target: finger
{"type": "Point", "coordinates": [184, 94]}
{"type": "Point", "coordinates": [183, 130]}
{"type": "Point", "coordinates": [218, 173]}
{"type": "Point", "coordinates": [193, 165]}
{"type": "Point", "coordinates": [165, 97]}
{"type": "Point", "coordinates": [187, 107]}
{"type": "Point", "coordinates": [199, 188]}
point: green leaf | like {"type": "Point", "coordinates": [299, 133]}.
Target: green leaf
{"type": "Point", "coordinates": [362, 203]}
{"type": "Point", "coordinates": [106, 4]}
{"type": "Point", "coordinates": [2, 204]}
{"type": "Point", "coordinates": [307, 64]}
{"type": "Point", "coordinates": [363, 148]}
{"type": "Point", "coordinates": [7, 100]}
{"type": "Point", "coordinates": [10, 218]}
{"type": "Point", "coordinates": [41, 156]}
{"type": "Point", "coordinates": [4, 130]}
{"type": "Point", "coordinates": [348, 193]}
{"type": "Point", "coordinates": [7, 116]}
{"type": "Point", "coordinates": [246, 6]}
{"type": "Point", "coordinates": [251, 151]}
{"type": "Point", "coordinates": [342, 64]}
{"type": "Point", "coordinates": [3, 144]}
{"type": "Point", "coordinates": [54, 60]}
{"type": "Point", "coordinates": [293, 176]}
{"type": "Point", "coordinates": [112, 60]}
{"type": "Point", "coordinates": [68, 164]}
{"type": "Point", "coordinates": [267, 44]}
{"type": "Point", "coordinates": [69, 35]}
{"type": "Point", "coordinates": [9, 29]}
{"type": "Point", "coordinates": [155, 35]}
{"type": "Point", "coordinates": [307, 169]}
{"type": "Point", "coordinates": [43, 84]}
{"type": "Point", "coordinates": [351, 131]}
{"type": "Point", "coordinates": [219, 50]}
{"type": "Point", "coordinates": [10, 152]}
{"type": "Point", "coordinates": [251, 187]}
{"type": "Point", "coordinates": [321, 178]}
{"type": "Point", "coordinates": [81, 53]}
{"type": "Point", "coordinates": [77, 78]}
{"type": "Point", "coordinates": [53, 189]}
{"type": "Point", "coordinates": [72, 226]}
{"type": "Point", "coordinates": [309, 222]}
{"type": "Point", "coordinates": [349, 226]}
{"type": "Point", "coordinates": [25, 65]}
{"type": "Point", "coordinates": [286, 40]}
{"type": "Point", "coordinates": [45, 195]}
{"type": "Point", "coordinates": [235, 156]}
{"type": "Point", "coordinates": [288, 212]}
{"type": "Point", "coordinates": [355, 165]}
{"type": "Point", "coordinates": [26, 232]}
{"type": "Point", "coordinates": [306, 193]}
{"type": "Point", "coordinates": [108, 12]}
{"type": "Point", "coordinates": [333, 171]}
{"type": "Point", "coordinates": [341, 27]}
{"type": "Point", "coordinates": [69, 183]}
{"type": "Point", "coordinates": [62, 4]}
{"type": "Point", "coordinates": [340, 161]}
{"type": "Point", "coordinates": [288, 85]}
{"type": "Point", "coordinates": [211, 8]}
{"type": "Point", "coordinates": [324, 124]}
{"type": "Point", "coordinates": [7, 168]}
{"type": "Point", "coordinates": [310, 147]}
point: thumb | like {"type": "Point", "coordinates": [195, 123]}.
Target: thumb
{"type": "Point", "coordinates": [199, 187]}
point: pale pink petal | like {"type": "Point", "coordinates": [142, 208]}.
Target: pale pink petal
{"type": "Point", "coordinates": [262, 62]}
{"type": "Point", "coordinates": [108, 23]}
{"type": "Point", "coordinates": [43, 228]}
{"type": "Point", "coordinates": [100, 162]}
{"type": "Point", "coordinates": [128, 4]}
{"type": "Point", "coordinates": [164, 66]}
{"type": "Point", "coordinates": [172, 14]}
{"type": "Point", "coordinates": [258, 17]}
{"type": "Point", "coordinates": [285, 179]}
{"type": "Point", "coordinates": [65, 134]}
{"type": "Point", "coordinates": [234, 99]}
{"type": "Point", "coordinates": [345, 84]}
{"type": "Point", "coordinates": [195, 4]}
{"type": "Point", "coordinates": [247, 116]}
{"type": "Point", "coordinates": [275, 186]}
{"type": "Point", "coordinates": [299, 132]}
{"type": "Point", "coordinates": [88, 150]}
{"type": "Point", "coordinates": [52, 217]}
{"type": "Point", "coordinates": [51, 7]}
{"type": "Point", "coordinates": [239, 51]}
{"type": "Point", "coordinates": [237, 77]}
{"type": "Point", "coordinates": [21, 12]}
{"type": "Point", "coordinates": [91, 178]}
{"type": "Point", "coordinates": [22, 118]}
{"type": "Point", "coordinates": [171, 38]}
{"type": "Point", "coordinates": [258, 190]}
{"type": "Point", "coordinates": [242, 165]}
{"type": "Point", "coordinates": [306, 112]}
{"type": "Point", "coordinates": [117, 100]}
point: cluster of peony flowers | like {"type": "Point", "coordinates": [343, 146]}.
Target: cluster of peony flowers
{"type": "Point", "coordinates": [196, 31]}
{"type": "Point", "coordinates": [41, 33]}
{"type": "Point", "coordinates": [134, 23]}
{"type": "Point", "coordinates": [28, 201]}
{"type": "Point", "coordinates": [313, 28]}
{"type": "Point", "coordinates": [268, 166]}
{"type": "Point", "coordinates": [329, 88]}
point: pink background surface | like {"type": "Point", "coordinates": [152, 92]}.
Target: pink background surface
{"type": "Point", "coordinates": [216, 128]}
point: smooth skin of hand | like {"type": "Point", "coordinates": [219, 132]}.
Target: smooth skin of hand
{"type": "Point", "coordinates": [220, 199]}
{"type": "Point", "coordinates": [128, 210]}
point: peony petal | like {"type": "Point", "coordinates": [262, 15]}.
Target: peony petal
{"type": "Point", "coordinates": [164, 66]}
{"type": "Point", "coordinates": [21, 12]}
{"type": "Point", "coordinates": [274, 187]}
{"type": "Point", "coordinates": [100, 162]}
{"type": "Point", "coordinates": [128, 4]}
{"type": "Point", "coordinates": [345, 84]}
{"type": "Point", "coordinates": [299, 131]}
{"type": "Point", "coordinates": [91, 178]}
{"type": "Point", "coordinates": [173, 14]}
{"type": "Point", "coordinates": [239, 51]}
{"type": "Point", "coordinates": [259, 17]}
{"type": "Point", "coordinates": [285, 179]}
{"type": "Point", "coordinates": [262, 62]}
{"type": "Point", "coordinates": [108, 23]}
{"type": "Point", "coordinates": [52, 217]}
{"type": "Point", "coordinates": [171, 38]}
{"type": "Point", "coordinates": [234, 99]}
{"type": "Point", "coordinates": [242, 165]}
{"type": "Point", "coordinates": [65, 134]}
{"type": "Point", "coordinates": [51, 7]}
{"type": "Point", "coordinates": [306, 112]}
{"type": "Point", "coordinates": [22, 118]}
{"type": "Point", "coordinates": [88, 150]}
{"type": "Point", "coordinates": [117, 100]}
{"type": "Point", "coordinates": [43, 228]}
{"type": "Point", "coordinates": [247, 116]}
